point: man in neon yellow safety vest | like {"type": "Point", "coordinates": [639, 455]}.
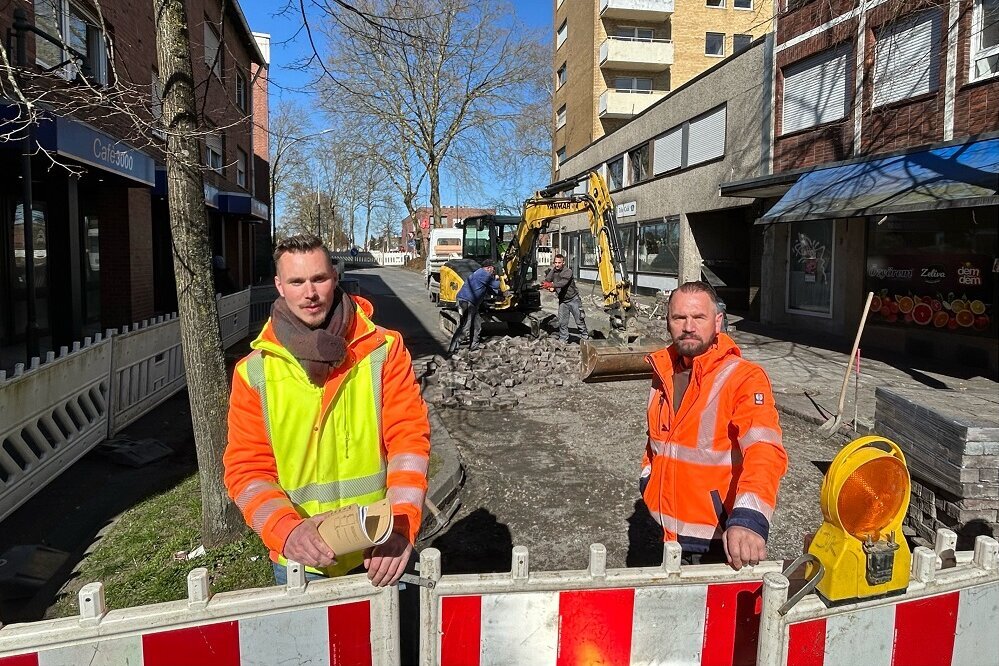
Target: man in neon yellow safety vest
{"type": "Point", "coordinates": [325, 412]}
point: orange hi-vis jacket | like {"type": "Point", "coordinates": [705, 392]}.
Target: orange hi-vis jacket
{"type": "Point", "coordinates": [717, 461]}
{"type": "Point", "coordinates": [302, 455]}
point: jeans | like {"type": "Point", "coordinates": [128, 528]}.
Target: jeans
{"type": "Point", "coordinates": [470, 320]}
{"type": "Point", "coordinates": [573, 307]}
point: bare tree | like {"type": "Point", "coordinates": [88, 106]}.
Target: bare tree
{"type": "Point", "coordinates": [439, 76]}
{"type": "Point", "coordinates": [200, 334]}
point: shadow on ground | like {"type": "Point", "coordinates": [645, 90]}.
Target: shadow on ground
{"type": "Point", "coordinates": [477, 543]}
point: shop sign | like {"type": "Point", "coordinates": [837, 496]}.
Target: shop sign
{"type": "Point", "coordinates": [83, 143]}
{"type": "Point", "coordinates": [259, 209]}
{"type": "Point", "coordinates": [629, 209]}
{"type": "Point", "coordinates": [944, 291]}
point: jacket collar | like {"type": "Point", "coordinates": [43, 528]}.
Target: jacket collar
{"type": "Point", "coordinates": [665, 361]}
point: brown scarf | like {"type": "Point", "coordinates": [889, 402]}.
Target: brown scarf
{"type": "Point", "coordinates": [319, 349]}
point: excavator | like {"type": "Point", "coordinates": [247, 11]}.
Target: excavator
{"type": "Point", "coordinates": [510, 242]}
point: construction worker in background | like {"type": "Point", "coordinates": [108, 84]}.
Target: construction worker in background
{"type": "Point", "coordinates": [480, 284]}
{"type": "Point", "coordinates": [560, 281]}
{"type": "Point", "coordinates": [325, 412]}
{"type": "Point", "coordinates": [714, 457]}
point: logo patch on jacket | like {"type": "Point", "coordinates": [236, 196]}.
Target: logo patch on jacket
{"type": "Point", "coordinates": [758, 398]}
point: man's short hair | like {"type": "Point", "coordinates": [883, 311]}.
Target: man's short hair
{"type": "Point", "coordinates": [298, 243]}
{"type": "Point", "coordinates": [699, 287]}
{"type": "Point", "coordinates": [488, 263]}
{"type": "Point", "coordinates": [560, 256]}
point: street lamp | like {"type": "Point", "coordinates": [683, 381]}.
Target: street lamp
{"type": "Point", "coordinates": [279, 154]}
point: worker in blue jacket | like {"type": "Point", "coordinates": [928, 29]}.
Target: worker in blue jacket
{"type": "Point", "coordinates": [479, 285]}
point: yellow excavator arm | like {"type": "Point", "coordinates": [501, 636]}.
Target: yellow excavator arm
{"type": "Point", "coordinates": [552, 202]}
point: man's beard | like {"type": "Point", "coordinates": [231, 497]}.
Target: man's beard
{"type": "Point", "coordinates": [696, 350]}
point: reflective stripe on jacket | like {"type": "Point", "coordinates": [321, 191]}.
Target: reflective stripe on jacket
{"type": "Point", "coordinates": [718, 461]}
{"type": "Point", "coordinates": [314, 449]}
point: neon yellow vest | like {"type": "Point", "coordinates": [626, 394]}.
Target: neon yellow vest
{"type": "Point", "coordinates": [324, 460]}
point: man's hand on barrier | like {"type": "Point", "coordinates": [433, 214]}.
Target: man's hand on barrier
{"type": "Point", "coordinates": [743, 546]}
{"type": "Point", "coordinates": [386, 563]}
{"type": "Point", "coordinates": [305, 546]}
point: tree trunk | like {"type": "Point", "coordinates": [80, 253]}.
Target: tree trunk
{"type": "Point", "coordinates": [367, 224]}
{"type": "Point", "coordinates": [200, 335]}
{"type": "Point", "coordinates": [435, 193]}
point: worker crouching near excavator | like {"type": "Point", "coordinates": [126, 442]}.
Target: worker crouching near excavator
{"type": "Point", "coordinates": [714, 457]}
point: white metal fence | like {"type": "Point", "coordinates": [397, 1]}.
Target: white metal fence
{"type": "Point", "coordinates": [374, 258]}
{"type": "Point", "coordinates": [57, 410]}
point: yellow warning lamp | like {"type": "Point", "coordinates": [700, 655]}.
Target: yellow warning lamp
{"type": "Point", "coordinates": [865, 494]}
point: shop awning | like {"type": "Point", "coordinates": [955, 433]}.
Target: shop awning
{"type": "Point", "coordinates": [958, 176]}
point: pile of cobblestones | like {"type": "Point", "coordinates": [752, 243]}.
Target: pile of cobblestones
{"type": "Point", "coordinates": [502, 372]}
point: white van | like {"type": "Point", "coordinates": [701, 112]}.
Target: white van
{"type": "Point", "coordinates": [444, 244]}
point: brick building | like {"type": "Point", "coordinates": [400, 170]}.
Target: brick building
{"type": "Point", "coordinates": [101, 228]}
{"type": "Point", "coordinates": [615, 58]}
{"type": "Point", "coordinates": [885, 176]}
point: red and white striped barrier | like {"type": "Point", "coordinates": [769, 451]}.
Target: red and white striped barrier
{"type": "Point", "coordinates": [946, 616]}
{"type": "Point", "coordinates": [336, 622]}
{"type": "Point", "coordinates": [704, 614]}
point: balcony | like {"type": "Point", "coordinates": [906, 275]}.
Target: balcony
{"type": "Point", "coordinates": [624, 104]}
{"type": "Point", "coordinates": [638, 54]}
{"type": "Point", "coordinates": [636, 10]}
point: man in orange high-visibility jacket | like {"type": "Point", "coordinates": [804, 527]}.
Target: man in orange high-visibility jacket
{"type": "Point", "coordinates": [325, 412]}
{"type": "Point", "coordinates": [714, 458]}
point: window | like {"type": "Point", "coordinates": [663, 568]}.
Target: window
{"type": "Point", "coordinates": [562, 34]}
{"type": "Point", "coordinates": [714, 44]}
{"type": "Point", "coordinates": [741, 42]}
{"type": "Point", "coordinates": [809, 275]}
{"type": "Point", "coordinates": [627, 237]}
{"type": "Point", "coordinates": [906, 61]}
{"type": "Point", "coordinates": [560, 117]}
{"type": "Point", "coordinates": [743, 4]}
{"type": "Point", "coordinates": [587, 250]}
{"type": "Point", "coordinates": [560, 76]}
{"type": "Point", "coordinates": [985, 39]}
{"type": "Point", "coordinates": [638, 164]}
{"type": "Point", "coordinates": [615, 174]}
{"type": "Point", "coordinates": [815, 90]}
{"type": "Point", "coordinates": [213, 50]}
{"type": "Point", "coordinates": [659, 246]}
{"type": "Point", "coordinates": [635, 33]}
{"type": "Point", "coordinates": [559, 157]}
{"type": "Point", "coordinates": [241, 167]}
{"type": "Point", "coordinates": [632, 84]}
{"type": "Point", "coordinates": [700, 139]}
{"type": "Point", "coordinates": [714, 3]}
{"type": "Point", "coordinates": [213, 152]}
{"type": "Point", "coordinates": [80, 32]}
{"type": "Point", "coordinates": [241, 91]}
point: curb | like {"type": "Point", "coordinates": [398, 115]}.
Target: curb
{"type": "Point", "coordinates": [445, 485]}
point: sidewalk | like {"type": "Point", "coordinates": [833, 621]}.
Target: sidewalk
{"type": "Point", "coordinates": [807, 370]}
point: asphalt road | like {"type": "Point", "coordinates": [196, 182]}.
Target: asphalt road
{"type": "Point", "coordinates": [560, 471]}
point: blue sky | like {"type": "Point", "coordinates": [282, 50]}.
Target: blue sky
{"type": "Point", "coordinates": [290, 45]}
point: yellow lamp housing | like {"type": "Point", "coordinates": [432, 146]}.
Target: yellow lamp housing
{"type": "Point", "coordinates": [865, 494]}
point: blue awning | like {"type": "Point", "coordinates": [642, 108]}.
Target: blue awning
{"type": "Point", "coordinates": [240, 203]}
{"type": "Point", "coordinates": [959, 176]}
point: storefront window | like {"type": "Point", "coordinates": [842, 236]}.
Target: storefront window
{"type": "Point", "coordinates": [627, 234]}
{"type": "Point", "coordinates": [92, 269]}
{"type": "Point", "coordinates": [659, 246]}
{"type": "Point", "coordinates": [588, 250]}
{"type": "Point", "coordinates": [809, 278]}
{"type": "Point", "coordinates": [40, 236]}
{"type": "Point", "coordinates": [934, 273]}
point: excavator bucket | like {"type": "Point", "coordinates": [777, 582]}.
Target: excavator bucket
{"type": "Point", "coordinates": [615, 360]}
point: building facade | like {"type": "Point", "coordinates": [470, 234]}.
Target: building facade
{"type": "Point", "coordinates": [615, 58]}
{"type": "Point", "coordinates": [100, 222]}
{"type": "Point", "coordinates": [663, 169]}
{"type": "Point", "coordinates": [886, 177]}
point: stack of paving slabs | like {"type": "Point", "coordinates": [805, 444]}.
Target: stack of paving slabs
{"type": "Point", "coordinates": [951, 444]}
{"type": "Point", "coordinates": [502, 372]}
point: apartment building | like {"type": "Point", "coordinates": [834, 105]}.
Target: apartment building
{"type": "Point", "coordinates": [615, 58]}
{"type": "Point", "coordinates": [100, 224]}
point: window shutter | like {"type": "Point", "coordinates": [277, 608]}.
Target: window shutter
{"type": "Point", "coordinates": [668, 151]}
{"type": "Point", "coordinates": [907, 58]}
{"type": "Point", "coordinates": [815, 90]}
{"type": "Point", "coordinates": [707, 137]}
